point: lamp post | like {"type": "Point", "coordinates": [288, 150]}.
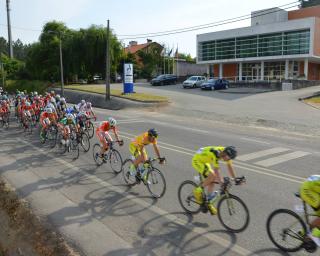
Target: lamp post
{"type": "Point", "coordinates": [61, 59]}
{"type": "Point", "coordinates": [108, 63]}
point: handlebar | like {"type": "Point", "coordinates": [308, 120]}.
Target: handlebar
{"type": "Point", "coordinates": [150, 160]}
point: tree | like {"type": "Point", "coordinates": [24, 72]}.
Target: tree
{"type": "Point", "coordinates": [11, 66]}
{"type": "Point", "coordinates": [308, 3]}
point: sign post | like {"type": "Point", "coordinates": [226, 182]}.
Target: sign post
{"type": "Point", "coordinates": [128, 78]}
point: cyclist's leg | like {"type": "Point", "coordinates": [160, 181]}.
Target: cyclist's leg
{"type": "Point", "coordinates": [138, 155]}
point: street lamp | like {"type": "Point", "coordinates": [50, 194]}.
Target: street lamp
{"type": "Point", "coordinates": [61, 60]}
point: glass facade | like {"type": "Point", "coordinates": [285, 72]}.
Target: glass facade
{"type": "Point", "coordinates": [276, 44]}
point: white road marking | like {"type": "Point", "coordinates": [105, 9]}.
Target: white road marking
{"type": "Point", "coordinates": [201, 231]}
{"type": "Point", "coordinates": [262, 153]}
{"type": "Point", "coordinates": [283, 158]}
{"type": "Point", "coordinates": [255, 140]}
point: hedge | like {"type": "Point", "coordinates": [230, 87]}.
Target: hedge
{"type": "Point", "coordinates": [28, 85]}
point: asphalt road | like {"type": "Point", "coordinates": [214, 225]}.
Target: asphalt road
{"type": "Point", "coordinates": [99, 214]}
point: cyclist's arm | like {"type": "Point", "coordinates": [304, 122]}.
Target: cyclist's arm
{"type": "Point", "coordinates": [115, 131]}
{"type": "Point", "coordinates": [231, 170]}
{"type": "Point", "coordinates": [156, 150]}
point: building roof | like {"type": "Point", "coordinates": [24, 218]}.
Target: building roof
{"type": "Point", "coordinates": [135, 48]}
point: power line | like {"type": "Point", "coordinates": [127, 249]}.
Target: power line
{"type": "Point", "coordinates": [209, 25]}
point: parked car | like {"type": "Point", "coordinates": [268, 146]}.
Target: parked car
{"type": "Point", "coordinates": [82, 81]}
{"type": "Point", "coordinates": [164, 79]}
{"type": "Point", "coordinates": [193, 82]}
{"type": "Point", "coordinates": [215, 84]}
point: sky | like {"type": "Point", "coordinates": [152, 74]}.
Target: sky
{"type": "Point", "coordinates": [130, 17]}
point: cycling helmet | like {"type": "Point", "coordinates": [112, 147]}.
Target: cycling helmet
{"type": "Point", "coordinates": [57, 97]}
{"type": "Point", "coordinates": [76, 108]}
{"type": "Point", "coordinates": [49, 110]}
{"type": "Point", "coordinates": [112, 122]}
{"type": "Point", "coordinates": [52, 100]}
{"type": "Point", "coordinates": [63, 100]}
{"type": "Point", "coordinates": [89, 105]}
{"type": "Point", "coordinates": [70, 116]}
{"type": "Point", "coordinates": [153, 133]}
{"type": "Point", "coordinates": [28, 104]}
{"type": "Point", "coordinates": [231, 152]}
{"type": "Point", "coordinates": [35, 93]}
{"type": "Point", "coordinates": [83, 102]}
{"type": "Point", "coordinates": [52, 93]}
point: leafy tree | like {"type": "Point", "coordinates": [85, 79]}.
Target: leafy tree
{"type": "Point", "coordinates": [3, 46]}
{"type": "Point", "coordinates": [11, 66]}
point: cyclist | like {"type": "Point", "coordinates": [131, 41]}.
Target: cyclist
{"type": "Point", "coordinates": [64, 124]}
{"type": "Point", "coordinates": [310, 193]}
{"type": "Point", "coordinates": [89, 111]}
{"type": "Point", "coordinates": [103, 134]}
{"type": "Point", "coordinates": [137, 148]}
{"type": "Point", "coordinates": [202, 161]}
{"type": "Point", "coordinates": [47, 117]}
{"type": "Point", "coordinates": [82, 105]}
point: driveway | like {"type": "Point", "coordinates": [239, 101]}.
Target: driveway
{"type": "Point", "coordinates": [273, 109]}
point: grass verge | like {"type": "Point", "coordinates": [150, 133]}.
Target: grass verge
{"type": "Point", "coordinates": [142, 97]}
{"type": "Point", "coordinates": [314, 100]}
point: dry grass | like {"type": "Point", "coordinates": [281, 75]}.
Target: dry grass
{"type": "Point", "coordinates": [314, 100]}
{"type": "Point", "coordinates": [143, 97]}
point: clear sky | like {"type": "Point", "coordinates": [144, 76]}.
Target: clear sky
{"type": "Point", "coordinates": [130, 17]}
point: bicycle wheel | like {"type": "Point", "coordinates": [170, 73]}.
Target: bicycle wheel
{"type": "Point", "coordinates": [96, 152]}
{"type": "Point", "coordinates": [62, 148]}
{"type": "Point", "coordinates": [127, 176]}
{"type": "Point", "coordinates": [115, 161]}
{"type": "Point", "coordinates": [233, 213]}
{"type": "Point", "coordinates": [286, 230]}
{"type": "Point", "coordinates": [52, 136]}
{"type": "Point", "coordinates": [90, 129]}
{"type": "Point", "coordinates": [74, 148]}
{"type": "Point", "coordinates": [85, 142]}
{"type": "Point", "coordinates": [186, 197]}
{"type": "Point", "coordinates": [156, 182]}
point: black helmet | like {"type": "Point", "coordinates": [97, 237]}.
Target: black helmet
{"type": "Point", "coordinates": [231, 152]}
{"type": "Point", "coordinates": [153, 133]}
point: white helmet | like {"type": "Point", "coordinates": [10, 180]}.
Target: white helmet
{"type": "Point", "coordinates": [52, 100]}
{"type": "Point", "coordinates": [49, 110]}
{"type": "Point", "coordinates": [63, 100]}
{"type": "Point", "coordinates": [83, 102]}
{"type": "Point", "coordinates": [112, 122]}
{"type": "Point", "coordinates": [89, 105]}
{"type": "Point", "coordinates": [70, 116]}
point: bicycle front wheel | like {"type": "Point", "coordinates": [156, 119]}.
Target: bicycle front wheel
{"type": "Point", "coordinates": [186, 197]}
{"type": "Point", "coordinates": [85, 142]}
{"type": "Point", "coordinates": [233, 213]}
{"type": "Point", "coordinates": [286, 230]}
{"type": "Point", "coordinates": [90, 129]}
{"type": "Point", "coordinates": [115, 161]}
{"type": "Point", "coordinates": [156, 182]}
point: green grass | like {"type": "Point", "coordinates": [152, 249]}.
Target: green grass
{"type": "Point", "coordinates": [314, 100]}
{"type": "Point", "coordinates": [143, 97]}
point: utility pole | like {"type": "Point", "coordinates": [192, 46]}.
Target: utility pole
{"type": "Point", "coordinates": [61, 65]}
{"type": "Point", "coordinates": [9, 30]}
{"type": "Point", "coordinates": [108, 63]}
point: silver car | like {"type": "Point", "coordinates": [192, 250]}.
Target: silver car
{"type": "Point", "coordinates": [194, 81]}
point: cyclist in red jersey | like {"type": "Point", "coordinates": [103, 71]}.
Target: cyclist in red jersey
{"type": "Point", "coordinates": [103, 134]}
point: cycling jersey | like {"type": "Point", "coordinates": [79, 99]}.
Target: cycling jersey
{"type": "Point", "coordinates": [143, 140]}
{"type": "Point", "coordinates": [310, 192]}
{"type": "Point", "coordinates": [105, 127]}
{"type": "Point", "coordinates": [210, 155]}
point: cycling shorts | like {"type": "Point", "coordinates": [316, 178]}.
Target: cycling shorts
{"type": "Point", "coordinates": [311, 197]}
{"type": "Point", "coordinates": [137, 151]}
{"type": "Point", "coordinates": [203, 168]}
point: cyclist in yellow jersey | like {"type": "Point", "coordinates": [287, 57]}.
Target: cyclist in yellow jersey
{"type": "Point", "coordinates": [137, 147]}
{"type": "Point", "coordinates": [310, 193]}
{"type": "Point", "coordinates": [202, 161]}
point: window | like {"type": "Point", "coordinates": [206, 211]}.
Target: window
{"type": "Point", "coordinates": [276, 44]}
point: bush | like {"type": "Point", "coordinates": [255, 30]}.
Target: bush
{"type": "Point", "coordinates": [28, 85]}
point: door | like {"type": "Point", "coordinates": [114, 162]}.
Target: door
{"type": "Point", "coordinates": [256, 71]}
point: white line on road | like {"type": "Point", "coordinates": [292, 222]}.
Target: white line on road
{"type": "Point", "coordinates": [201, 231]}
{"type": "Point", "coordinates": [283, 158]}
{"type": "Point", "coordinates": [255, 140]}
{"type": "Point", "coordinates": [262, 153]}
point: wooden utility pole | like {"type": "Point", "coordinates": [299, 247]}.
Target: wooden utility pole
{"type": "Point", "coordinates": [108, 63]}
{"type": "Point", "coordinates": [9, 30]}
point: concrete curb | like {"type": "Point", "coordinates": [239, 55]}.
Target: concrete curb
{"type": "Point", "coordinates": [98, 100]}
{"type": "Point", "coordinates": [244, 92]}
